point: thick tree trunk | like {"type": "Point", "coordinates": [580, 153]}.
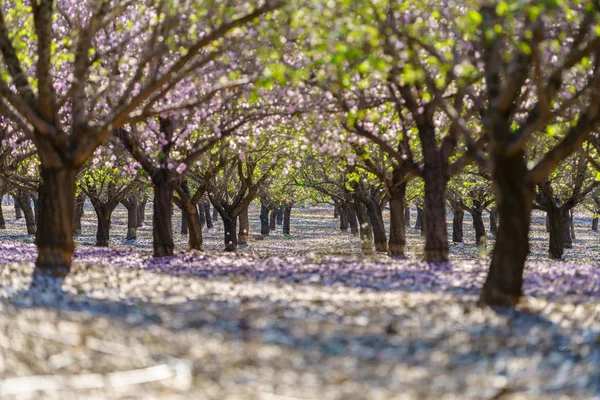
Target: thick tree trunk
{"type": "Point", "coordinates": [132, 219]}
{"type": "Point", "coordinates": [79, 212]}
{"type": "Point", "coordinates": [287, 214]}
{"type": "Point", "coordinates": [595, 224]}
{"type": "Point", "coordinates": [419, 220]}
{"type": "Point", "coordinates": [434, 223]}
{"type": "Point", "coordinates": [376, 218]}
{"type": "Point", "coordinates": [2, 221]}
{"type": "Point", "coordinates": [479, 227]}
{"type": "Point", "coordinates": [192, 218]}
{"type": "Point", "coordinates": [344, 223]}
{"type": "Point", "coordinates": [366, 230]}
{"type": "Point", "coordinates": [229, 228]}
{"type": "Point", "coordinates": [103, 215]}
{"type": "Point", "coordinates": [162, 228]}
{"type": "Point", "coordinates": [397, 216]}
{"type": "Point", "coordinates": [556, 243]}
{"type": "Point", "coordinates": [18, 213]}
{"type": "Point", "coordinates": [184, 224]}
{"type": "Point", "coordinates": [264, 220]}
{"type": "Point", "coordinates": [280, 215]}
{"type": "Point", "coordinates": [207, 215]}
{"type": "Point", "coordinates": [352, 221]}
{"type": "Point", "coordinates": [514, 199]}
{"type": "Point", "coordinates": [55, 228]}
{"type": "Point", "coordinates": [494, 221]}
{"type": "Point", "coordinates": [24, 200]}
{"type": "Point", "coordinates": [407, 215]}
{"type": "Point", "coordinates": [566, 230]}
{"type": "Point", "coordinates": [457, 225]}
{"type": "Point", "coordinates": [273, 220]}
{"type": "Point", "coordinates": [244, 229]}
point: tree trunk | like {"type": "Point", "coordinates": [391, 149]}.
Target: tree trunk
{"type": "Point", "coordinates": [207, 215]}
{"type": "Point", "coordinates": [287, 213]}
{"type": "Point", "coordinates": [352, 221]}
{"type": "Point", "coordinates": [434, 223]}
{"type": "Point", "coordinates": [55, 228]}
{"type": "Point", "coordinates": [595, 224]}
{"type": "Point", "coordinates": [18, 213]}
{"type": "Point", "coordinates": [376, 218]}
{"type": "Point", "coordinates": [457, 225]}
{"type": "Point", "coordinates": [407, 215]}
{"type": "Point", "coordinates": [365, 228]}
{"type": "Point", "coordinates": [103, 215]}
{"type": "Point", "coordinates": [343, 218]}
{"type": "Point", "coordinates": [192, 218]}
{"type": "Point", "coordinates": [215, 214]}
{"type": "Point", "coordinates": [397, 215]}
{"type": "Point", "coordinates": [494, 221]}
{"type": "Point", "coordinates": [547, 223]}
{"type": "Point", "coordinates": [2, 221]}
{"type": "Point", "coordinates": [162, 228]}
{"type": "Point", "coordinates": [24, 200]}
{"type": "Point", "coordinates": [132, 218]}
{"type": "Point", "coordinates": [336, 211]}
{"type": "Point", "coordinates": [419, 221]}
{"type": "Point", "coordinates": [229, 228]}
{"type": "Point", "coordinates": [572, 224]}
{"type": "Point", "coordinates": [201, 215]}
{"type": "Point", "coordinates": [514, 199]}
{"type": "Point", "coordinates": [280, 215]}
{"type": "Point", "coordinates": [184, 224]}
{"type": "Point", "coordinates": [273, 220]}
{"type": "Point", "coordinates": [142, 212]}
{"type": "Point", "coordinates": [556, 243]}
{"type": "Point", "coordinates": [480, 239]}
{"type": "Point", "coordinates": [264, 220]}
{"type": "Point", "coordinates": [244, 229]}
{"type": "Point", "coordinates": [79, 212]}
{"type": "Point", "coordinates": [566, 230]}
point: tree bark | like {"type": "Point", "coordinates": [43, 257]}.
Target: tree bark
{"type": "Point", "coordinates": [264, 220]}
{"type": "Point", "coordinates": [79, 212]}
{"type": "Point", "coordinates": [556, 243]}
{"type": "Point", "coordinates": [184, 224]}
{"type": "Point", "coordinates": [132, 218]}
{"type": "Point", "coordinates": [457, 225]}
{"type": "Point", "coordinates": [480, 239]}
{"type": "Point", "coordinates": [419, 221]}
{"type": "Point", "coordinates": [142, 212]}
{"type": "Point", "coordinates": [280, 215]}
{"type": "Point", "coordinates": [595, 224]}
{"type": "Point", "coordinates": [434, 223]}
{"type": "Point", "coordinates": [407, 215]}
{"type": "Point", "coordinates": [343, 218]}
{"type": "Point", "coordinates": [201, 215]}
{"type": "Point", "coordinates": [162, 228]}
{"type": "Point", "coordinates": [192, 218]}
{"type": "Point", "coordinates": [229, 228]}
{"type": "Point", "coordinates": [571, 224]}
{"type": "Point", "coordinates": [494, 221]}
{"type": "Point", "coordinates": [24, 200]}
{"type": "Point", "coordinates": [18, 213]}
{"type": "Point", "coordinates": [287, 214]}
{"type": "Point", "coordinates": [336, 211]}
{"type": "Point", "coordinates": [376, 218]}
{"type": "Point", "coordinates": [514, 199]}
{"type": "Point", "coordinates": [207, 215]}
{"type": "Point", "coordinates": [273, 220]}
{"type": "Point", "coordinates": [244, 229]}
{"type": "Point", "coordinates": [2, 221]}
{"type": "Point", "coordinates": [566, 230]}
{"type": "Point", "coordinates": [215, 214]}
{"type": "Point", "coordinates": [55, 228]}
{"type": "Point", "coordinates": [103, 214]}
{"type": "Point", "coordinates": [352, 221]}
{"type": "Point", "coordinates": [365, 228]}
{"type": "Point", "coordinates": [397, 215]}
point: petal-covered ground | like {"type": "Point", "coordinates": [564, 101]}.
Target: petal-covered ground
{"type": "Point", "coordinates": [306, 317]}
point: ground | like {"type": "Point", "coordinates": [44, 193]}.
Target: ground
{"type": "Point", "coordinates": [303, 317]}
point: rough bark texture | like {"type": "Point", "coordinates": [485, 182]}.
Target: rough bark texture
{"type": "Point", "coordinates": [79, 212]}
{"type": "Point", "coordinates": [24, 200]}
{"type": "Point", "coordinates": [192, 216]}
{"type": "Point", "coordinates": [457, 225]}
{"type": "Point", "coordinates": [244, 229]}
{"type": "Point", "coordinates": [494, 221]}
{"type": "Point", "coordinates": [103, 214]}
{"type": "Point", "coordinates": [376, 218]}
{"type": "Point", "coordinates": [556, 244]}
{"type": "Point", "coordinates": [162, 228]}
{"type": "Point", "coordinates": [479, 227]}
{"type": "Point", "coordinates": [287, 214]}
{"type": "Point", "coordinates": [436, 234]}
{"type": "Point", "coordinates": [273, 220]}
{"type": "Point", "coordinates": [514, 200]}
{"type": "Point", "coordinates": [595, 224]}
{"type": "Point", "coordinates": [397, 215]}
{"type": "Point", "coordinates": [264, 220]}
{"type": "Point", "coordinates": [55, 228]}
{"type": "Point", "coordinates": [131, 204]}
{"type": "Point", "coordinates": [366, 231]}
